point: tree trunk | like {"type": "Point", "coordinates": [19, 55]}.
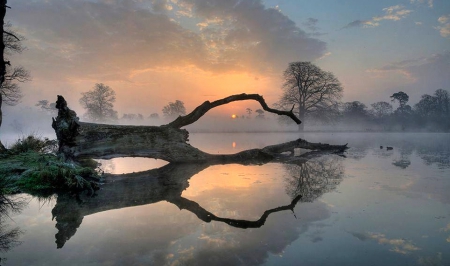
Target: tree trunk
{"type": "Point", "coordinates": [2, 62]}
{"type": "Point", "coordinates": [78, 140]}
{"type": "Point", "coordinates": [301, 116]}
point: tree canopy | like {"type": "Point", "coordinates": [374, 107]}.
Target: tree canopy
{"type": "Point", "coordinates": [311, 89]}
{"type": "Point", "coordinates": [99, 103]}
{"type": "Point", "coordinates": [174, 109]}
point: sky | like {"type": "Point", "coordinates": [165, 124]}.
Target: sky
{"type": "Point", "coordinates": [152, 52]}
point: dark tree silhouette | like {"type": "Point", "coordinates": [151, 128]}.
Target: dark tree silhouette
{"type": "Point", "coordinates": [311, 179]}
{"type": "Point", "coordinates": [174, 109]}
{"type": "Point", "coordinates": [381, 109]}
{"type": "Point", "coordinates": [402, 99]}
{"type": "Point", "coordinates": [310, 89]}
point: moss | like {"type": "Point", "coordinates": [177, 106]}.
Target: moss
{"type": "Point", "coordinates": [42, 174]}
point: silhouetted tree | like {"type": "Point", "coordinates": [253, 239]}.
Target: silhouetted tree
{"type": "Point", "coordinates": [381, 109]}
{"type": "Point", "coordinates": [434, 110]}
{"type": "Point", "coordinates": [260, 113]}
{"type": "Point", "coordinates": [313, 178]}
{"type": "Point", "coordinates": [402, 99]}
{"type": "Point", "coordinates": [99, 103]}
{"type": "Point", "coordinates": [174, 109]}
{"type": "Point", "coordinates": [249, 112]}
{"type": "Point", "coordinates": [11, 43]}
{"type": "Point", "coordinates": [154, 116]}
{"type": "Point", "coordinates": [311, 89]}
{"type": "Point", "coordinates": [354, 111]}
{"type": "Point", "coordinates": [46, 106]}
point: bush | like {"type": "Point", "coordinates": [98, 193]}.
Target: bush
{"type": "Point", "coordinates": [33, 143]}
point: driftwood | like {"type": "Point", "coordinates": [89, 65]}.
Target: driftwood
{"type": "Point", "coordinates": [78, 140]}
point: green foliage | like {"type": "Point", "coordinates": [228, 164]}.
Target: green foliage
{"type": "Point", "coordinates": [33, 143]}
{"type": "Point", "coordinates": [44, 174]}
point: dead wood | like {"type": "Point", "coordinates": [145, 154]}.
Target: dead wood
{"type": "Point", "coordinates": [79, 140]}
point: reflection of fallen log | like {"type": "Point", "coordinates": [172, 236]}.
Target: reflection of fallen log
{"type": "Point", "coordinates": [163, 184]}
{"type": "Point", "coordinates": [168, 142]}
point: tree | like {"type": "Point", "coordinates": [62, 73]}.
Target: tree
{"type": "Point", "coordinates": [249, 112]}
{"type": "Point", "coordinates": [154, 116]}
{"type": "Point", "coordinates": [402, 99]}
{"type": "Point", "coordinates": [260, 113]}
{"type": "Point", "coordinates": [11, 42]}
{"type": "Point", "coordinates": [381, 109]}
{"type": "Point", "coordinates": [354, 111]}
{"type": "Point", "coordinates": [46, 106]}
{"type": "Point", "coordinates": [174, 109]}
{"type": "Point", "coordinates": [311, 89]}
{"type": "Point", "coordinates": [99, 103]}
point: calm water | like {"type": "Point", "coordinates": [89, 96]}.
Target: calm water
{"type": "Point", "coordinates": [374, 207]}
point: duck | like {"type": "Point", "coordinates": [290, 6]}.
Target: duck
{"type": "Point", "coordinates": [389, 148]}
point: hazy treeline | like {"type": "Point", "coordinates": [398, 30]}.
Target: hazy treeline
{"type": "Point", "coordinates": [431, 113]}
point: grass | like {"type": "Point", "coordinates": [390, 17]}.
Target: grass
{"type": "Point", "coordinates": [31, 166]}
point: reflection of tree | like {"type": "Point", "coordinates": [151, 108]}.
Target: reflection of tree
{"type": "Point", "coordinates": [313, 178]}
{"type": "Point", "coordinates": [163, 184]}
{"type": "Point", "coordinates": [9, 237]}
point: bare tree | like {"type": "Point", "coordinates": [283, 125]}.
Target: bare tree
{"type": "Point", "coordinates": [174, 109]}
{"type": "Point", "coordinates": [311, 89]}
{"type": "Point", "coordinates": [99, 103]}
{"type": "Point", "coordinates": [381, 109]}
{"type": "Point", "coordinates": [11, 43]}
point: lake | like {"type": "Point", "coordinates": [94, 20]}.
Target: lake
{"type": "Point", "coordinates": [373, 207]}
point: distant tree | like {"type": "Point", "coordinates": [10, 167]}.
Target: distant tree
{"type": "Point", "coordinates": [434, 110]}
{"type": "Point", "coordinates": [128, 117]}
{"type": "Point", "coordinates": [354, 111]}
{"type": "Point", "coordinates": [427, 106]}
{"type": "Point", "coordinates": [310, 89]}
{"type": "Point", "coordinates": [260, 113]}
{"type": "Point", "coordinates": [381, 109]}
{"type": "Point", "coordinates": [174, 109]}
{"type": "Point", "coordinates": [249, 112]}
{"type": "Point", "coordinates": [443, 101]}
{"type": "Point", "coordinates": [154, 116]}
{"type": "Point", "coordinates": [99, 103]}
{"type": "Point", "coordinates": [402, 99]}
{"type": "Point", "coordinates": [46, 106]}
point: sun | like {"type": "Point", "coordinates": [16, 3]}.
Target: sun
{"type": "Point", "coordinates": [233, 116]}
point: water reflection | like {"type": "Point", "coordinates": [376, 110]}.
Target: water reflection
{"type": "Point", "coordinates": [313, 178]}
{"type": "Point", "coordinates": [9, 237]}
{"type": "Point", "coordinates": [167, 183]}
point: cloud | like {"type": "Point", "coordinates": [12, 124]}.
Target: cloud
{"type": "Point", "coordinates": [417, 76]}
{"type": "Point", "coordinates": [250, 34]}
{"type": "Point", "coordinates": [360, 23]}
{"type": "Point", "coordinates": [394, 13]}
{"type": "Point", "coordinates": [428, 2]}
{"type": "Point", "coordinates": [401, 246]}
{"type": "Point", "coordinates": [111, 39]}
{"type": "Point", "coordinates": [444, 29]}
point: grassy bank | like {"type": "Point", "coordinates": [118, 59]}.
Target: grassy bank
{"type": "Point", "coordinates": [30, 165]}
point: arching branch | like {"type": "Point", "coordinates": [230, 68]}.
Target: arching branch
{"type": "Point", "coordinates": [201, 110]}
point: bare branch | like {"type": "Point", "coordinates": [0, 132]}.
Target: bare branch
{"type": "Point", "coordinates": [12, 35]}
{"type": "Point", "coordinates": [198, 112]}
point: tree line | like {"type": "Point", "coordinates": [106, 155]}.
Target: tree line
{"type": "Point", "coordinates": [314, 92]}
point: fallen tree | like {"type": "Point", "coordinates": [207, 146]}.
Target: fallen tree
{"type": "Point", "coordinates": [79, 140]}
